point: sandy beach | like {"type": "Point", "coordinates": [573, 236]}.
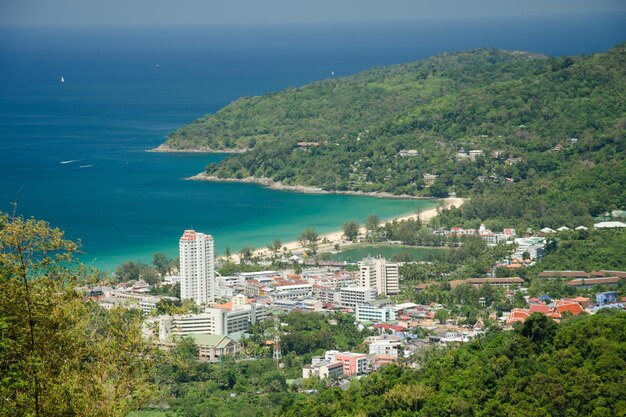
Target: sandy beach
{"type": "Point", "coordinates": [327, 241]}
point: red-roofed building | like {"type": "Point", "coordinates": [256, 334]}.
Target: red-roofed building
{"type": "Point", "coordinates": [554, 312]}
{"type": "Point", "coordinates": [517, 315]}
{"type": "Point", "coordinates": [384, 326]}
{"type": "Point", "coordinates": [539, 308]}
{"type": "Point", "coordinates": [573, 307]}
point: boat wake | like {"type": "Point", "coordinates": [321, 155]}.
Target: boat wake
{"type": "Point", "coordinates": [70, 161]}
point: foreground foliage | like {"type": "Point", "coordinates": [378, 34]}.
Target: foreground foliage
{"type": "Point", "coordinates": [541, 369]}
{"type": "Point", "coordinates": [60, 356]}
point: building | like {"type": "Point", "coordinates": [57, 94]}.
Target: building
{"type": "Point", "coordinates": [609, 225]}
{"type": "Point", "coordinates": [496, 282]}
{"type": "Point", "coordinates": [473, 154]}
{"type": "Point", "coordinates": [147, 303]}
{"type": "Point", "coordinates": [212, 348]}
{"type": "Point", "coordinates": [366, 312]}
{"type": "Point", "coordinates": [564, 274]}
{"type": "Point", "coordinates": [353, 363]}
{"type": "Point", "coordinates": [408, 152]}
{"type": "Point", "coordinates": [592, 282]}
{"type": "Point", "coordinates": [377, 273]}
{"type": "Point", "coordinates": [323, 369]}
{"type": "Point", "coordinates": [197, 267]}
{"type": "Point", "coordinates": [292, 291]}
{"type": "Point", "coordinates": [214, 321]}
{"type": "Point", "coordinates": [533, 246]}
{"type": "Point", "coordinates": [354, 296]}
{"type": "Point", "coordinates": [429, 179]}
{"type": "Point", "coordinates": [603, 298]}
{"type": "Point", "coordinates": [385, 347]}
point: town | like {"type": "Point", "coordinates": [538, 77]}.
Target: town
{"type": "Point", "coordinates": [397, 318]}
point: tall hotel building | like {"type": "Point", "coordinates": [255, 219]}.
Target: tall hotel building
{"type": "Point", "coordinates": [197, 268]}
{"type": "Point", "coordinates": [377, 273]}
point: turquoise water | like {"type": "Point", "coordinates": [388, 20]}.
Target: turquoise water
{"type": "Point", "coordinates": [126, 87]}
{"type": "Point", "coordinates": [356, 253]}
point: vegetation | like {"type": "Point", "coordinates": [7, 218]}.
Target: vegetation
{"type": "Point", "coordinates": [61, 356]}
{"type": "Point", "coordinates": [351, 230]}
{"type": "Point", "coordinates": [552, 131]}
{"type": "Point", "coordinates": [541, 369]}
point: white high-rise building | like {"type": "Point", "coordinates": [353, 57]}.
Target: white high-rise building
{"type": "Point", "coordinates": [197, 268]}
{"type": "Point", "coordinates": [377, 273]}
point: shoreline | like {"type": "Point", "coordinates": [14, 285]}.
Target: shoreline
{"type": "Point", "coordinates": [163, 148]}
{"type": "Point", "coordinates": [327, 241]}
{"type": "Point", "coordinates": [306, 189]}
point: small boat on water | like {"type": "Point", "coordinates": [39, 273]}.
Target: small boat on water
{"type": "Point", "coordinates": [62, 79]}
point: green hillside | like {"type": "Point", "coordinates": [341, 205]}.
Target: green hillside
{"type": "Point", "coordinates": [539, 122]}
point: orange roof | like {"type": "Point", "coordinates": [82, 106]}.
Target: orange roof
{"type": "Point", "coordinates": [517, 315]}
{"type": "Point", "coordinates": [226, 306]}
{"type": "Point", "coordinates": [191, 235]}
{"type": "Point", "coordinates": [539, 308]}
{"type": "Point", "coordinates": [571, 306]}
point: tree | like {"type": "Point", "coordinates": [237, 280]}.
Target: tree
{"type": "Point", "coordinates": [442, 315]}
{"type": "Point", "coordinates": [161, 263]}
{"type": "Point", "coordinates": [309, 238]}
{"type": "Point", "coordinates": [351, 230]}
{"type": "Point", "coordinates": [274, 246]}
{"type": "Point", "coordinates": [246, 253]}
{"type": "Point", "coordinates": [539, 328]}
{"type": "Point", "coordinates": [277, 244]}
{"type": "Point", "coordinates": [371, 224]}
{"type": "Point", "coordinates": [61, 355]}
{"type": "Point", "coordinates": [227, 252]}
{"type": "Point", "coordinates": [128, 271]}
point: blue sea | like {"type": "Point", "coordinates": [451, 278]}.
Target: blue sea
{"type": "Point", "coordinates": [73, 153]}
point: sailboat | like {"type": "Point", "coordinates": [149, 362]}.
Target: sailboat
{"type": "Point", "coordinates": [62, 79]}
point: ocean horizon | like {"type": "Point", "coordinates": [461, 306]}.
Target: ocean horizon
{"type": "Point", "coordinates": [73, 153]}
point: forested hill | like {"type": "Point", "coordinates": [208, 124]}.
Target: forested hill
{"type": "Point", "coordinates": [534, 117]}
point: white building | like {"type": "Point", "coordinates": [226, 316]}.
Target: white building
{"type": "Point", "coordinates": [377, 273]}
{"type": "Point", "coordinates": [197, 267]}
{"type": "Point", "coordinates": [373, 313]}
{"type": "Point", "coordinates": [292, 291]}
{"type": "Point", "coordinates": [354, 296]}
{"type": "Point", "coordinates": [385, 347]}
{"type": "Point", "coordinates": [609, 225]}
{"type": "Point", "coordinates": [473, 154]}
{"type": "Point", "coordinates": [533, 245]}
{"type": "Point", "coordinates": [213, 321]}
{"type": "Point", "coordinates": [323, 369]}
{"type": "Point", "coordinates": [146, 303]}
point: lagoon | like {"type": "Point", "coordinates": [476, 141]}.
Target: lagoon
{"type": "Point", "coordinates": [357, 252]}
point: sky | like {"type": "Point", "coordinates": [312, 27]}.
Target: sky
{"type": "Point", "coordinates": [101, 12]}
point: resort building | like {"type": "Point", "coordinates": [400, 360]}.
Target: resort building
{"type": "Point", "coordinates": [354, 296]}
{"type": "Point", "coordinates": [214, 321]}
{"type": "Point", "coordinates": [197, 268]}
{"type": "Point", "coordinates": [353, 363]}
{"type": "Point", "coordinates": [377, 273]}
{"type": "Point", "coordinates": [323, 369]}
{"type": "Point", "coordinates": [366, 312]}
